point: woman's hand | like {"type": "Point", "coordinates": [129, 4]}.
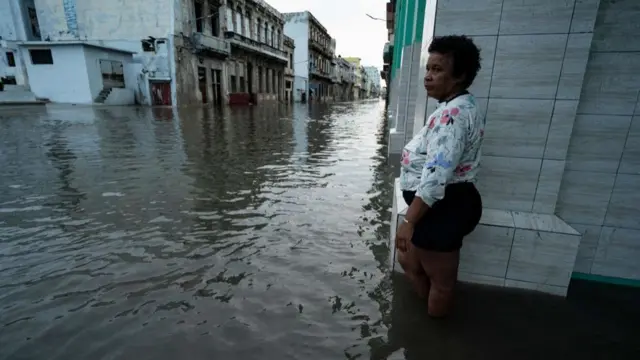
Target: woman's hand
{"type": "Point", "coordinates": [404, 235]}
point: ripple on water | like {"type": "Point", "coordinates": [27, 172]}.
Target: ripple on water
{"type": "Point", "coordinates": [157, 231]}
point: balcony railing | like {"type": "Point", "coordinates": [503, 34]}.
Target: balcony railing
{"type": "Point", "coordinates": [288, 71]}
{"type": "Point", "coordinates": [317, 72]}
{"type": "Point", "coordinates": [210, 43]}
{"type": "Point", "coordinates": [320, 47]}
{"type": "Point", "coordinates": [255, 46]}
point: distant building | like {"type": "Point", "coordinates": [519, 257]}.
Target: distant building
{"type": "Point", "coordinates": [313, 56]}
{"type": "Point", "coordinates": [346, 75]}
{"type": "Point", "coordinates": [373, 75]}
{"type": "Point", "coordinates": [289, 48]}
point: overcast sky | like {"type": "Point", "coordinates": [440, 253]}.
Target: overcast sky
{"type": "Point", "coordinates": [355, 33]}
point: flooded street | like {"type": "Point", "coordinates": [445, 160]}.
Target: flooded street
{"type": "Point", "coordinates": [134, 233]}
{"type": "Point", "coordinates": [153, 232]}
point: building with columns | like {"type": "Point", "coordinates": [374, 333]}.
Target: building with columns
{"type": "Point", "coordinates": [560, 178]}
{"type": "Point", "coordinates": [256, 67]}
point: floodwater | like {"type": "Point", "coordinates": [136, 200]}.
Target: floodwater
{"type": "Point", "coordinates": [253, 233]}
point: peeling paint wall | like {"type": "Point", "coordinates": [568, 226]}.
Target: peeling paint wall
{"type": "Point", "coordinates": [103, 20]}
{"type": "Point", "coordinates": [7, 25]}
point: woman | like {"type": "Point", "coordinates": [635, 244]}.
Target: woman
{"type": "Point", "coordinates": [439, 168]}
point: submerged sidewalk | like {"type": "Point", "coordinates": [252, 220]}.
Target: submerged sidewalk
{"type": "Point", "coordinates": [596, 321]}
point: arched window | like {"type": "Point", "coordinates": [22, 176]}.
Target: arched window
{"type": "Point", "coordinates": [239, 25]}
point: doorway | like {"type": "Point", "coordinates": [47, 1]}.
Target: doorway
{"type": "Point", "coordinates": [161, 93]}
{"type": "Point", "coordinates": [202, 83]}
{"type": "Point", "coordinates": [250, 82]}
{"type": "Point", "coordinates": [216, 85]}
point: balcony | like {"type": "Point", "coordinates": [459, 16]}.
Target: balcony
{"type": "Point", "coordinates": [211, 44]}
{"type": "Point", "coordinates": [319, 73]}
{"type": "Point", "coordinates": [288, 71]}
{"type": "Point", "coordinates": [318, 46]}
{"type": "Point", "coordinates": [255, 46]}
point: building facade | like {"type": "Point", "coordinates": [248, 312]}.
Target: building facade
{"type": "Point", "coordinates": [346, 76]}
{"type": "Point", "coordinates": [289, 75]}
{"type": "Point", "coordinates": [373, 78]}
{"type": "Point", "coordinates": [258, 60]}
{"type": "Point", "coordinates": [184, 52]}
{"type": "Point", "coordinates": [313, 56]}
{"type": "Point", "coordinates": [43, 39]}
{"type": "Point", "coordinates": [561, 158]}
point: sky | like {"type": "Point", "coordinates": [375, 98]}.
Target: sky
{"type": "Point", "coordinates": [346, 21]}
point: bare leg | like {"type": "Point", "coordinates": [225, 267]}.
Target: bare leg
{"type": "Point", "coordinates": [410, 262]}
{"type": "Point", "coordinates": [442, 270]}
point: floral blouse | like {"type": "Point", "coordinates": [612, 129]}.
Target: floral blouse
{"type": "Point", "coordinates": [445, 151]}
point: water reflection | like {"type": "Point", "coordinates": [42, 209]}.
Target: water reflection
{"type": "Point", "coordinates": [227, 234]}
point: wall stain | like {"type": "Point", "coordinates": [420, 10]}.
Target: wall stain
{"type": "Point", "coordinates": [71, 16]}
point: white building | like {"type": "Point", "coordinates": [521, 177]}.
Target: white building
{"type": "Point", "coordinates": [313, 57]}
{"type": "Point", "coordinates": [373, 76]}
{"type": "Point", "coordinates": [69, 51]}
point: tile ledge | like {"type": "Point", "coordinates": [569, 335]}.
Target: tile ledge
{"type": "Point", "coordinates": [506, 218]}
{"type": "Point", "coordinates": [530, 221]}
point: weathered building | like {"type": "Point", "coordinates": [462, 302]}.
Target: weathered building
{"type": "Point", "coordinates": [373, 81]}
{"type": "Point", "coordinates": [258, 60]}
{"type": "Point", "coordinates": [313, 56]}
{"type": "Point", "coordinates": [184, 52]}
{"type": "Point", "coordinates": [289, 48]}
{"type": "Point", "coordinates": [346, 76]}
{"type": "Point", "coordinates": [200, 52]}
{"type": "Point", "coordinates": [70, 51]}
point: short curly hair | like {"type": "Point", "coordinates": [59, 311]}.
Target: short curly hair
{"type": "Point", "coordinates": [464, 53]}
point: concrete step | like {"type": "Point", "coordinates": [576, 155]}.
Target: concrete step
{"type": "Point", "coordinates": [11, 88]}
{"type": "Point", "coordinates": [104, 94]}
{"type": "Point", "coordinates": [17, 95]}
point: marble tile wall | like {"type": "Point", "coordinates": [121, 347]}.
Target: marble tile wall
{"type": "Point", "coordinates": [510, 248]}
{"type": "Point", "coordinates": [534, 57]}
{"type": "Point", "coordinates": [600, 190]}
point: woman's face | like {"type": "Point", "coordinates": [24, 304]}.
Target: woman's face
{"type": "Point", "coordinates": [439, 80]}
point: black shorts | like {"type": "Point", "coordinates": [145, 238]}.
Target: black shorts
{"type": "Point", "coordinates": [449, 220]}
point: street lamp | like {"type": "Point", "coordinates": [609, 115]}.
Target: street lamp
{"type": "Point", "coordinates": [375, 18]}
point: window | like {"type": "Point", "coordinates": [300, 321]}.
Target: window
{"type": "Point", "coordinates": [290, 60]}
{"type": "Point", "coordinates": [258, 32]}
{"type": "Point", "coordinates": [11, 60]}
{"type": "Point", "coordinates": [238, 26]}
{"type": "Point", "coordinates": [199, 24]}
{"type": "Point", "coordinates": [247, 26]}
{"type": "Point", "coordinates": [41, 57]}
{"type": "Point", "coordinates": [241, 84]}
{"type": "Point", "coordinates": [273, 81]}
{"type": "Point", "coordinates": [266, 32]}
{"type": "Point", "coordinates": [33, 21]}
{"type": "Point", "coordinates": [215, 21]}
{"type": "Point", "coordinates": [260, 88]}
{"type": "Point", "coordinates": [288, 84]}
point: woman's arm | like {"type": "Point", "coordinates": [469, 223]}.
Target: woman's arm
{"type": "Point", "coordinates": [445, 144]}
